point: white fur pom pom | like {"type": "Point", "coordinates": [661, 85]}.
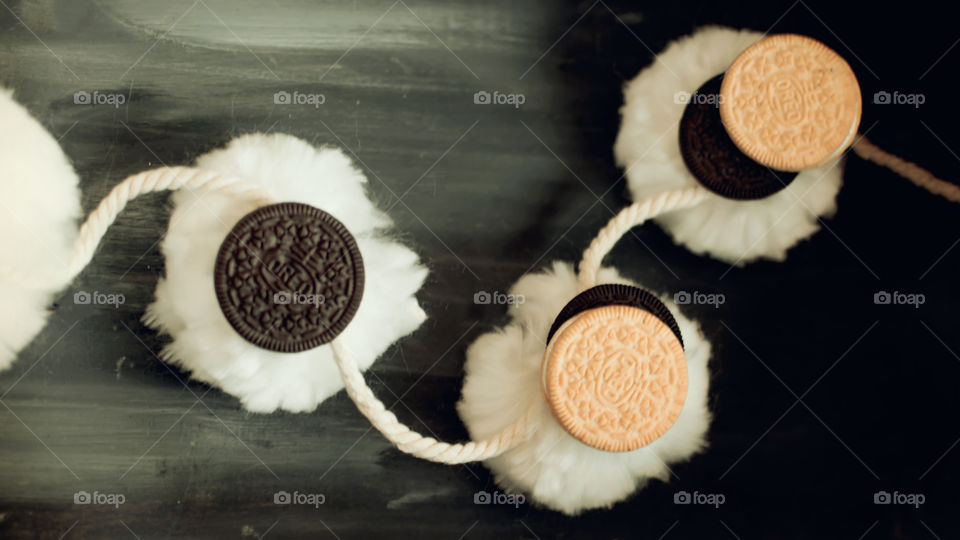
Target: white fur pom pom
{"type": "Point", "coordinates": [186, 307]}
{"type": "Point", "coordinates": [648, 148]}
{"type": "Point", "coordinates": [39, 207]}
{"type": "Point", "coordinates": [503, 381]}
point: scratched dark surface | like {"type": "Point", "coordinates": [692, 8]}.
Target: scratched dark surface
{"type": "Point", "coordinates": [488, 193]}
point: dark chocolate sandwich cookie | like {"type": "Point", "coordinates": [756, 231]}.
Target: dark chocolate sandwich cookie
{"type": "Point", "coordinates": [712, 156]}
{"type": "Point", "coordinates": [289, 277]}
{"type": "Point", "coordinates": [615, 295]}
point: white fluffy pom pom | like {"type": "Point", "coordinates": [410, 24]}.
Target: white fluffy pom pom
{"type": "Point", "coordinates": [503, 381]}
{"type": "Point", "coordinates": [647, 146]}
{"type": "Point", "coordinates": [186, 306]}
{"type": "Point", "coordinates": [39, 207]}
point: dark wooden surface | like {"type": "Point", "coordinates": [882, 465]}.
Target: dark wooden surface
{"type": "Point", "coordinates": [488, 193]}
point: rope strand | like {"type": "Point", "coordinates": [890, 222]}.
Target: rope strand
{"type": "Point", "coordinates": [911, 171]}
{"type": "Point", "coordinates": [411, 442]}
{"type": "Point", "coordinates": [407, 440]}
{"type": "Point", "coordinates": [97, 223]}
{"type": "Point", "coordinates": [399, 434]}
{"type": "Point", "coordinates": [160, 179]}
{"type": "Point", "coordinates": [628, 218]}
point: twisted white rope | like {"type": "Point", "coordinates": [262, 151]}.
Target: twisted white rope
{"type": "Point", "coordinates": [911, 171]}
{"type": "Point", "coordinates": [160, 179]}
{"type": "Point", "coordinates": [412, 442]}
{"type": "Point", "coordinates": [404, 438]}
{"type": "Point", "coordinates": [407, 440]}
{"type": "Point", "coordinates": [628, 218]}
{"type": "Point", "coordinates": [398, 433]}
{"type": "Point", "coordinates": [97, 223]}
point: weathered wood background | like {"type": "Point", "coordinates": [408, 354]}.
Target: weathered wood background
{"type": "Point", "coordinates": [485, 194]}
